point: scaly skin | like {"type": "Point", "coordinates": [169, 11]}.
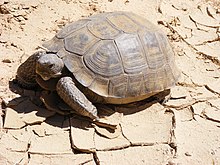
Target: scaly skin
{"type": "Point", "coordinates": [75, 98]}
{"type": "Point", "coordinates": [26, 73]}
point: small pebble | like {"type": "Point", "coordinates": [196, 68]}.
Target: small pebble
{"type": "Point", "coordinates": [188, 154]}
{"type": "Point", "coordinates": [6, 61]}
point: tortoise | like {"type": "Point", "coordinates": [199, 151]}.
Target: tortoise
{"type": "Point", "coordinates": [109, 58]}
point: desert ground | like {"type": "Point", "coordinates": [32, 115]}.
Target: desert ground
{"type": "Point", "coordinates": [184, 131]}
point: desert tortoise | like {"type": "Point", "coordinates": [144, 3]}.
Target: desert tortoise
{"type": "Point", "coordinates": [115, 57]}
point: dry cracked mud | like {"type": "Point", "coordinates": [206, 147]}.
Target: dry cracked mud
{"type": "Point", "coordinates": [186, 130]}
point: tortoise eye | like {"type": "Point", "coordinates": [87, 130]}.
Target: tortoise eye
{"type": "Point", "coordinates": [51, 65]}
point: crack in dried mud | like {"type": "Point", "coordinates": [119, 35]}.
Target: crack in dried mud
{"type": "Point", "coordinates": [209, 118]}
{"type": "Point", "coordinates": [171, 143]}
{"type": "Point", "coordinates": [211, 90]}
{"type": "Point", "coordinates": [96, 159]}
{"type": "Point", "coordinates": [215, 60]}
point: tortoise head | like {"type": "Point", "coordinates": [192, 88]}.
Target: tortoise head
{"type": "Point", "coordinates": [49, 66]}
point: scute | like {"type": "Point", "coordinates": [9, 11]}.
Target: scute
{"type": "Point", "coordinates": [80, 41]}
{"type": "Point", "coordinates": [132, 53]}
{"type": "Point", "coordinates": [104, 59]}
{"type": "Point", "coordinates": [143, 23]}
{"type": "Point", "coordinates": [174, 71]}
{"type": "Point", "coordinates": [150, 79]}
{"type": "Point", "coordinates": [101, 28]}
{"type": "Point", "coordinates": [85, 76]}
{"type": "Point", "coordinates": [72, 61]}
{"type": "Point", "coordinates": [136, 85]}
{"type": "Point", "coordinates": [118, 86]}
{"type": "Point", "coordinates": [72, 27]}
{"type": "Point", "coordinates": [100, 86]}
{"type": "Point", "coordinates": [123, 22]}
{"type": "Point", "coordinates": [54, 45]}
{"type": "Point", "coordinates": [156, 57]}
{"type": "Point", "coordinates": [159, 79]}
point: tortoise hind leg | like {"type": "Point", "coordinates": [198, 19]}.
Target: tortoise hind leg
{"type": "Point", "coordinates": [75, 98]}
{"type": "Point", "coordinates": [163, 96]}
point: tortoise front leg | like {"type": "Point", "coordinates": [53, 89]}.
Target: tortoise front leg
{"type": "Point", "coordinates": [75, 98]}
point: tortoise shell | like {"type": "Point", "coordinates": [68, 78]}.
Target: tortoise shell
{"type": "Point", "coordinates": [117, 55]}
